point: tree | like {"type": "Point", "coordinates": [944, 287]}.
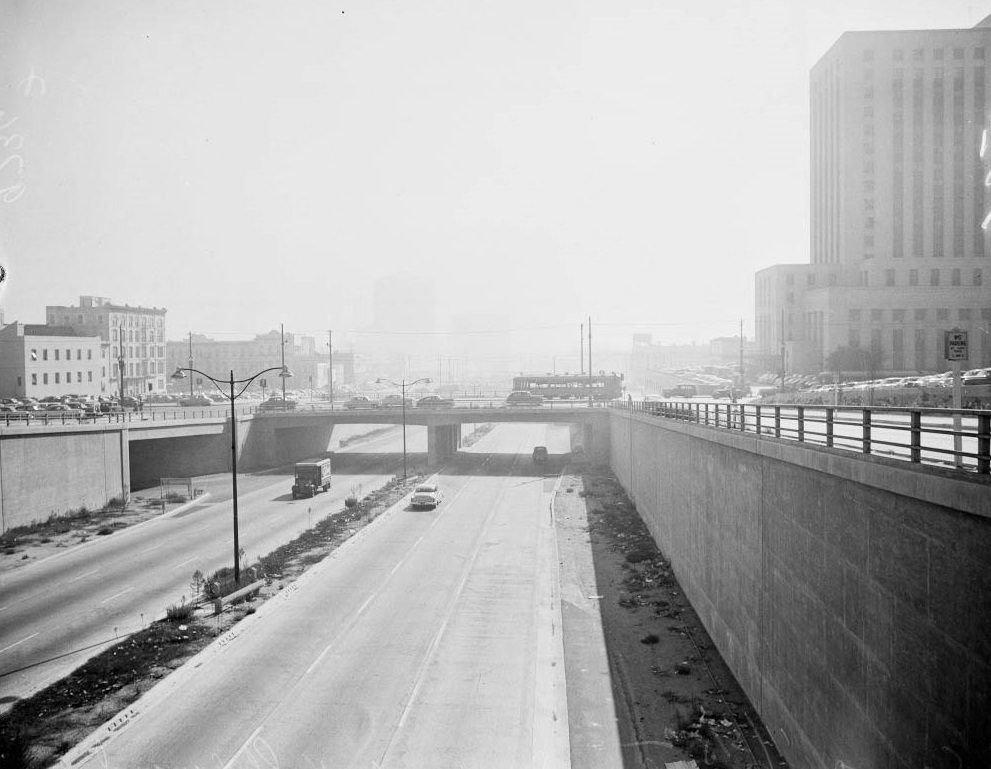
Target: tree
{"type": "Point", "coordinates": [853, 358]}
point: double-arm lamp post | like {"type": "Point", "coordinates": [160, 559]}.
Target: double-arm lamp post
{"type": "Point", "coordinates": [402, 386]}
{"type": "Point", "coordinates": [284, 372]}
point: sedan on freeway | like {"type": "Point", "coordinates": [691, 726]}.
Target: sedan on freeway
{"type": "Point", "coordinates": [425, 495]}
{"type": "Point", "coordinates": [396, 401]}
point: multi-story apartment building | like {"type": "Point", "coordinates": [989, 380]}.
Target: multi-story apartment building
{"type": "Point", "coordinates": [136, 336]}
{"type": "Point", "coordinates": [899, 247]}
{"type": "Point", "coordinates": [37, 361]}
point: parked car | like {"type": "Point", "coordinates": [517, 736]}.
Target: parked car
{"type": "Point", "coordinates": [395, 401]}
{"type": "Point", "coordinates": [277, 404]}
{"type": "Point", "coordinates": [196, 400]}
{"type": "Point", "coordinates": [980, 376]}
{"type": "Point", "coordinates": [729, 392]}
{"type": "Point", "coordinates": [360, 402]}
{"type": "Point", "coordinates": [434, 402]}
{"type": "Point", "coordinates": [680, 391]}
{"type": "Point", "coordinates": [426, 495]}
{"type": "Point", "coordinates": [539, 454]}
{"type": "Point", "coordinates": [523, 398]}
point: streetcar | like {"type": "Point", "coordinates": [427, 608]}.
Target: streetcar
{"type": "Point", "coordinates": [600, 387]}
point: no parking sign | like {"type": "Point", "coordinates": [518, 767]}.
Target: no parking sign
{"type": "Point", "coordinates": [955, 345]}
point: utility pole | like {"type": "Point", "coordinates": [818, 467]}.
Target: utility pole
{"type": "Point", "coordinates": [590, 361]}
{"type": "Point", "coordinates": [741, 354]}
{"type": "Point", "coordinates": [282, 333]}
{"type": "Point", "coordinates": [190, 363]}
{"type": "Point", "coordinates": [581, 345]}
{"type": "Point", "coordinates": [330, 373]}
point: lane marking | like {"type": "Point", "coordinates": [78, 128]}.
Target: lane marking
{"type": "Point", "coordinates": [83, 576]}
{"type": "Point", "coordinates": [244, 747]}
{"type": "Point", "coordinates": [117, 595]}
{"type": "Point", "coordinates": [17, 643]}
{"type": "Point", "coordinates": [142, 552]}
{"type": "Point", "coordinates": [193, 558]}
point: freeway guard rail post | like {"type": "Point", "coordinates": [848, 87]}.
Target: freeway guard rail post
{"type": "Point", "coordinates": [915, 435]}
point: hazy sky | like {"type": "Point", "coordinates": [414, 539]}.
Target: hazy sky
{"type": "Point", "coordinates": [244, 164]}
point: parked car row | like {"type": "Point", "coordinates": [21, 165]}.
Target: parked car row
{"type": "Point", "coordinates": [396, 401]}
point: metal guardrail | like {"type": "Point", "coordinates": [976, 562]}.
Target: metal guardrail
{"type": "Point", "coordinates": [959, 439]}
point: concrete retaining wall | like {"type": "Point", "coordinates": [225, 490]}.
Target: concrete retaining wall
{"type": "Point", "coordinates": [851, 596]}
{"type": "Point", "coordinates": [47, 471]}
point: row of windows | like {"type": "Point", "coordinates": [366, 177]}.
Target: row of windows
{"type": "Point", "coordinates": [140, 336]}
{"type": "Point", "coordinates": [115, 320]}
{"type": "Point", "coordinates": [918, 314]}
{"type": "Point", "coordinates": [57, 352]}
{"type": "Point", "coordinates": [935, 277]}
{"type": "Point", "coordinates": [68, 377]}
{"type": "Point", "coordinates": [919, 54]}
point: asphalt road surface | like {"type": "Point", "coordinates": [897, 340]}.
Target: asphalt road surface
{"type": "Point", "coordinates": [430, 639]}
{"type": "Point", "coordinates": [58, 612]}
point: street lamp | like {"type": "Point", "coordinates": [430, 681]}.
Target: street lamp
{"type": "Point", "coordinates": [180, 373]}
{"type": "Point", "coordinates": [402, 386]}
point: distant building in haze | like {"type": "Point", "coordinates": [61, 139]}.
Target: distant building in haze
{"type": "Point", "coordinates": [898, 251]}
{"type": "Point", "coordinates": [136, 336]}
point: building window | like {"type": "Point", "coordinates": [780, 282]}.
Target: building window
{"type": "Point", "coordinates": [44, 378]}
{"type": "Point", "coordinates": [855, 316]}
{"type": "Point", "coordinates": [34, 379]}
{"type": "Point", "coordinates": [56, 377]}
{"type": "Point", "coordinates": [89, 376]}
{"type": "Point", "coordinates": [68, 354]}
{"type": "Point", "coordinates": [978, 277]}
{"type": "Point", "coordinates": [79, 376]}
{"type": "Point", "coordinates": [889, 277]}
{"type": "Point", "coordinates": [79, 354]}
{"type": "Point", "coordinates": [56, 353]}
{"type": "Point", "coordinates": [955, 277]}
{"type": "Point", "coordinates": [913, 277]}
{"type": "Point", "coordinates": [942, 313]}
{"type": "Point", "coordinates": [920, 313]}
{"type": "Point", "coordinates": [89, 355]}
{"type": "Point", "coordinates": [933, 277]}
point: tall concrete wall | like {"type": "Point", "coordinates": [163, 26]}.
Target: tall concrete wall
{"type": "Point", "coordinates": [851, 596]}
{"type": "Point", "coordinates": [47, 471]}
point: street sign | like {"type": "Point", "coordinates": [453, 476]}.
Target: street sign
{"type": "Point", "coordinates": [955, 345]}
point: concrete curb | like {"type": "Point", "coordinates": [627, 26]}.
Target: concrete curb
{"type": "Point", "coordinates": [594, 727]}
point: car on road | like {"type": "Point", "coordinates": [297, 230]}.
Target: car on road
{"type": "Point", "coordinates": [395, 402]}
{"type": "Point", "coordinates": [426, 495]}
{"type": "Point", "coordinates": [539, 454]}
{"type": "Point", "coordinates": [360, 402]}
{"type": "Point", "coordinates": [523, 398]}
{"type": "Point", "coordinates": [277, 404]}
{"type": "Point", "coordinates": [196, 400]}
{"type": "Point", "coordinates": [729, 392]}
{"type": "Point", "coordinates": [434, 401]}
{"type": "Point", "coordinates": [680, 391]}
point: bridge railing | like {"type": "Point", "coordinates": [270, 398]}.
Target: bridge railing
{"type": "Point", "coordinates": [959, 439]}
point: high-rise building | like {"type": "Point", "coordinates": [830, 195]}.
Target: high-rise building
{"type": "Point", "coordinates": [136, 336]}
{"type": "Point", "coordinates": [899, 207]}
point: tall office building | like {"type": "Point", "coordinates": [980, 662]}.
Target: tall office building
{"type": "Point", "coordinates": [899, 207]}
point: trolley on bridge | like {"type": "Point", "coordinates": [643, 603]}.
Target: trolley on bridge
{"type": "Point", "coordinates": [600, 387]}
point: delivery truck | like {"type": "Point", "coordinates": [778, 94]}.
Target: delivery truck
{"type": "Point", "coordinates": [311, 478]}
